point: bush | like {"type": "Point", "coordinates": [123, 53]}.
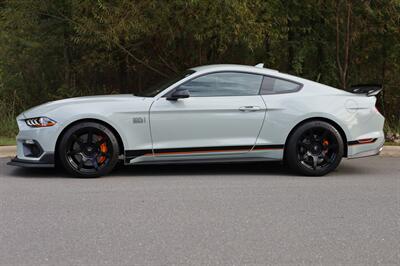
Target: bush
{"type": "Point", "coordinates": [8, 124]}
{"type": "Point", "coordinates": [392, 130]}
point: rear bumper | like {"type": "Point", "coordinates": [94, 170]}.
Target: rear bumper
{"type": "Point", "coordinates": [46, 161]}
{"type": "Point", "coordinates": [374, 152]}
{"type": "Point", "coordinates": [359, 150]}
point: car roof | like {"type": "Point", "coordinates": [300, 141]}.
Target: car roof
{"type": "Point", "coordinates": [262, 71]}
{"type": "Point", "coordinates": [245, 68]}
{"type": "Point", "coordinates": [232, 67]}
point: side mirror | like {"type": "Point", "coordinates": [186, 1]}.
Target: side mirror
{"type": "Point", "coordinates": [179, 94]}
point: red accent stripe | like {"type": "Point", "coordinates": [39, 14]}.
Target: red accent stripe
{"type": "Point", "coordinates": [207, 151]}
{"type": "Point", "coordinates": [192, 152]}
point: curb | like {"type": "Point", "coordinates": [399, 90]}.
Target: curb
{"type": "Point", "coordinates": [388, 151]}
{"type": "Point", "coordinates": [8, 151]}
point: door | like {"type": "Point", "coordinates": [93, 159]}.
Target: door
{"type": "Point", "coordinates": [224, 114]}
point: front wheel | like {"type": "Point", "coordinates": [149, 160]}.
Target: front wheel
{"type": "Point", "coordinates": [315, 149]}
{"type": "Point", "coordinates": [88, 149]}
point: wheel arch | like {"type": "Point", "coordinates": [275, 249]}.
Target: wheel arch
{"type": "Point", "coordinates": [327, 120]}
{"type": "Point", "coordinates": [113, 130]}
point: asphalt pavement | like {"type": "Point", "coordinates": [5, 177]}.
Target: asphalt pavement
{"type": "Point", "coordinates": [253, 214]}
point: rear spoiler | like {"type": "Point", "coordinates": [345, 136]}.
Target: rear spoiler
{"type": "Point", "coordinates": [368, 89]}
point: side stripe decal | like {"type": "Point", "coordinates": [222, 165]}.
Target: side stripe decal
{"type": "Point", "coordinates": [130, 154]}
{"type": "Point", "coordinates": [269, 147]}
{"type": "Point", "coordinates": [136, 153]}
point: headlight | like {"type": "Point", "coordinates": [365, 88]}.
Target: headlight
{"type": "Point", "coordinates": [40, 122]}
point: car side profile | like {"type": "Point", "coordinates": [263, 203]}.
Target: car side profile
{"type": "Point", "coordinates": [215, 113]}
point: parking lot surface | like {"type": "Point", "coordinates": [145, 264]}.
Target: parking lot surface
{"type": "Point", "coordinates": [202, 214]}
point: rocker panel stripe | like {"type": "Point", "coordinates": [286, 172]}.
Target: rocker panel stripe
{"type": "Point", "coordinates": [136, 153]}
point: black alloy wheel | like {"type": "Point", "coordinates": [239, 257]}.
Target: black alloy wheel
{"type": "Point", "coordinates": [315, 148]}
{"type": "Point", "coordinates": [88, 150]}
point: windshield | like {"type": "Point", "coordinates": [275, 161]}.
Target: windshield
{"type": "Point", "coordinates": [156, 89]}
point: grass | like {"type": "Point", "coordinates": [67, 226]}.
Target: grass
{"type": "Point", "coordinates": [7, 141]}
{"type": "Point", "coordinates": [387, 143]}
{"type": "Point", "coordinates": [8, 130]}
{"type": "Point", "coordinates": [392, 125]}
{"type": "Point", "coordinates": [392, 130]}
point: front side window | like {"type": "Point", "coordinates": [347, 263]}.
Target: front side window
{"type": "Point", "coordinates": [272, 85]}
{"type": "Point", "coordinates": [224, 84]}
{"type": "Point", "coordinates": [156, 89]}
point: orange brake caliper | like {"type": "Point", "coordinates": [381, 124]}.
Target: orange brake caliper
{"type": "Point", "coordinates": [103, 149]}
{"type": "Point", "coordinates": [325, 143]}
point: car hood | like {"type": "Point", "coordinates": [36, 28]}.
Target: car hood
{"type": "Point", "coordinates": [42, 110]}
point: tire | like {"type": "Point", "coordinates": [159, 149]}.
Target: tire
{"type": "Point", "coordinates": [88, 149]}
{"type": "Point", "coordinates": [314, 149]}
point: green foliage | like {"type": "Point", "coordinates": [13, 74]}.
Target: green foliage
{"type": "Point", "coordinates": [8, 125]}
{"type": "Point", "coordinates": [56, 49]}
{"type": "Point", "coordinates": [7, 141]}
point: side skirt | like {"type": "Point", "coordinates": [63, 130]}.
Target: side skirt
{"type": "Point", "coordinates": [206, 161]}
{"type": "Point", "coordinates": [227, 153]}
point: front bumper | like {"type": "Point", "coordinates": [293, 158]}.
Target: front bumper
{"type": "Point", "coordinates": [35, 146]}
{"type": "Point", "coordinates": [45, 161]}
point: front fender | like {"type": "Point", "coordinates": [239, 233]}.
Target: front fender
{"type": "Point", "coordinates": [94, 117]}
{"type": "Point", "coordinates": [120, 116]}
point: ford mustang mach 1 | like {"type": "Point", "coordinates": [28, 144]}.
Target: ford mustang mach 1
{"type": "Point", "coordinates": [215, 113]}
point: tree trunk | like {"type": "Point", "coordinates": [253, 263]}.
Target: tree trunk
{"type": "Point", "coordinates": [383, 76]}
{"type": "Point", "coordinates": [122, 70]}
{"type": "Point", "coordinates": [67, 50]}
{"type": "Point", "coordinates": [343, 66]}
{"type": "Point", "coordinates": [290, 39]}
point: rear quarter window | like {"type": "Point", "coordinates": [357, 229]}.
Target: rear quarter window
{"type": "Point", "coordinates": [272, 85]}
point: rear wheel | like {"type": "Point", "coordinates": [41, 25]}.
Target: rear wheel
{"type": "Point", "coordinates": [315, 148]}
{"type": "Point", "coordinates": [88, 149]}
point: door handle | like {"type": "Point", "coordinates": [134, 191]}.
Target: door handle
{"type": "Point", "coordinates": [249, 108]}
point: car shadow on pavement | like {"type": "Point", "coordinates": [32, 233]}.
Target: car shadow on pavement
{"type": "Point", "coordinates": [36, 172]}
{"type": "Point", "coordinates": [256, 169]}
{"type": "Point", "coordinates": [232, 169]}
{"type": "Point", "coordinates": [265, 168]}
